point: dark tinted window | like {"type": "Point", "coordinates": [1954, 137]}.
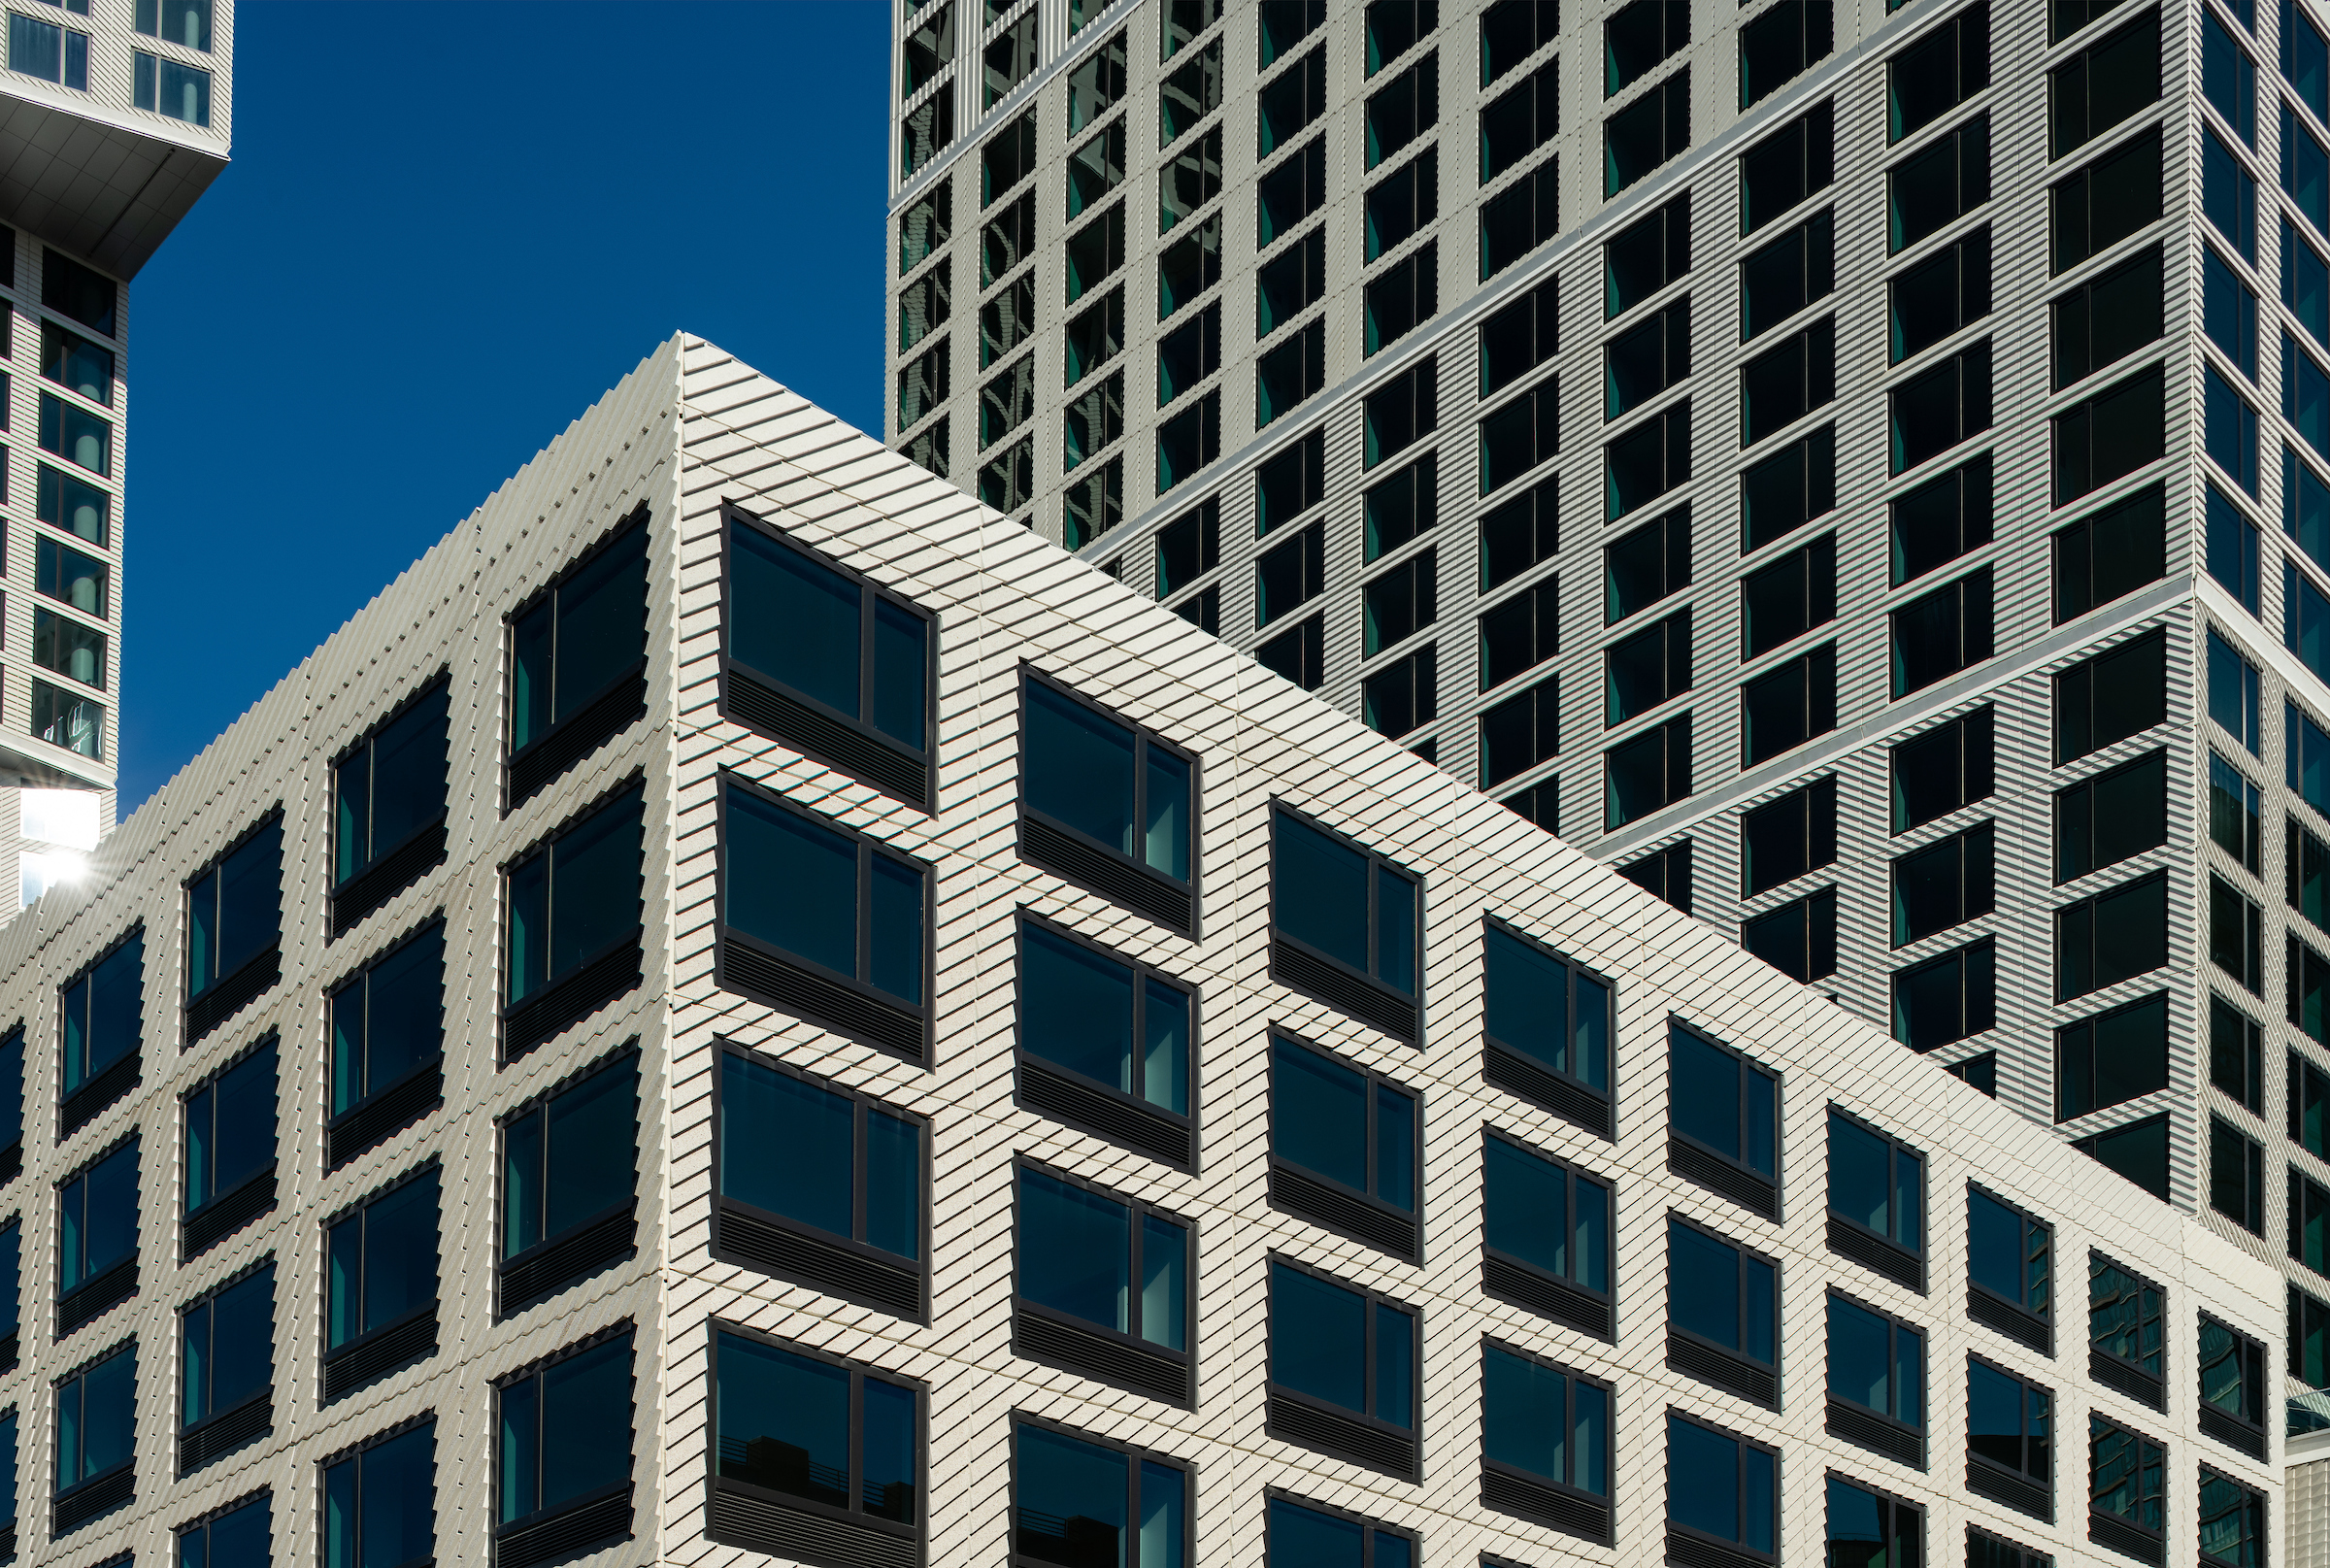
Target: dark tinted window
{"type": "Point", "coordinates": [587, 633]}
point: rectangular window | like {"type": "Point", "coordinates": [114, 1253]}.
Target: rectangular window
{"type": "Point", "coordinates": [2305, 754]}
{"type": "Point", "coordinates": [1401, 299]}
{"type": "Point", "coordinates": [1513, 30]}
{"type": "Point", "coordinates": [2233, 553]}
{"type": "Point", "coordinates": [1939, 72]}
{"type": "Point", "coordinates": [243, 1534]}
{"type": "Point", "coordinates": [1652, 129]}
{"type": "Point", "coordinates": [1637, 37]}
{"type": "Point", "coordinates": [1290, 374]}
{"type": "Point", "coordinates": [1547, 1028]}
{"type": "Point", "coordinates": [926, 228]}
{"type": "Point", "coordinates": [1949, 291]}
{"type": "Point", "coordinates": [226, 1360]}
{"type": "Point", "coordinates": [234, 929]}
{"type": "Point", "coordinates": [1723, 1121]}
{"type": "Point", "coordinates": [2308, 1222]}
{"type": "Point", "coordinates": [53, 54]}
{"type": "Point", "coordinates": [2229, 313]}
{"type": "Point", "coordinates": [1008, 239]}
{"type": "Point", "coordinates": [1335, 904]}
{"type": "Point", "coordinates": [67, 575]}
{"type": "Point", "coordinates": [1189, 547]}
{"type": "Point", "coordinates": [2111, 816]}
{"type": "Point", "coordinates": [2010, 1439]}
{"type": "Point", "coordinates": [1935, 186]}
{"type": "Point", "coordinates": [65, 646]}
{"type": "Point", "coordinates": [1186, 268]}
{"type": "Point", "coordinates": [1521, 633]}
{"type": "Point", "coordinates": [1406, 106]}
{"type": "Point", "coordinates": [1298, 1533]}
{"type": "Point", "coordinates": [1788, 381]}
{"type": "Point", "coordinates": [1095, 336]}
{"type": "Point", "coordinates": [2233, 693]}
{"type": "Point", "coordinates": [388, 806]}
{"type": "Point", "coordinates": [1518, 534]}
{"type": "Point", "coordinates": [2232, 1521]}
{"type": "Point", "coordinates": [1789, 704]}
{"type": "Point", "coordinates": [1403, 506]}
{"type": "Point", "coordinates": [927, 128]}
{"type": "Point", "coordinates": [1191, 179]}
{"type": "Point", "coordinates": [2110, 937]}
{"type": "Point", "coordinates": [2125, 1317]}
{"type": "Point", "coordinates": [1646, 668]}
{"type": "Point", "coordinates": [1786, 167]}
{"type": "Point", "coordinates": [2308, 979]}
{"type": "Point", "coordinates": [578, 662]}
{"type": "Point", "coordinates": [380, 1503]}
{"type": "Point", "coordinates": [1344, 1370]}
{"type": "Point", "coordinates": [1647, 461]}
{"type": "Point", "coordinates": [574, 932]}
{"type": "Point", "coordinates": [229, 1150]}
{"type": "Point", "coordinates": [1105, 1044]}
{"type": "Point", "coordinates": [1788, 837]}
{"type": "Point", "coordinates": [387, 1042]}
{"type": "Point", "coordinates": [103, 1021]}
{"type": "Point", "coordinates": [844, 921]}
{"type": "Point", "coordinates": [1298, 654]}
{"type": "Point", "coordinates": [569, 1177]}
{"type": "Point", "coordinates": [2235, 816]}
{"type": "Point", "coordinates": [2109, 318]}
{"type": "Point", "coordinates": [1292, 191]}
{"type": "Point", "coordinates": [2120, 193]}
{"type": "Point", "coordinates": [1858, 1517]}
{"type": "Point", "coordinates": [1798, 938]}
{"type": "Point", "coordinates": [173, 89]}
{"type": "Point", "coordinates": [1545, 1442]}
{"type": "Point", "coordinates": [1290, 101]}
{"type": "Point", "coordinates": [1400, 413]}
{"type": "Point", "coordinates": [2102, 84]}
{"type": "Point", "coordinates": [1788, 488]}
{"type": "Point", "coordinates": [97, 1237]}
{"type": "Point", "coordinates": [2237, 1058]}
{"type": "Point", "coordinates": [2115, 1056]}
{"type": "Point", "coordinates": [1939, 633]}
{"type": "Point", "coordinates": [1073, 1501]}
{"type": "Point", "coordinates": [2236, 1176]}
{"type": "Point", "coordinates": [1545, 1234]}
{"type": "Point", "coordinates": [1785, 275]}
{"type": "Point", "coordinates": [1722, 1488]}
{"type": "Point", "coordinates": [2305, 170]}
{"type": "Point", "coordinates": [2308, 1091]}
{"type": "Point", "coordinates": [1523, 434]}
{"type": "Point", "coordinates": [2127, 1486]}
{"type": "Point", "coordinates": [2111, 695]}
{"type": "Point", "coordinates": [2306, 284]}
{"type": "Point", "coordinates": [1780, 44]}
{"type": "Point", "coordinates": [1650, 253]}
{"type": "Point", "coordinates": [1934, 410]}
{"type": "Point", "coordinates": [1647, 773]}
{"type": "Point", "coordinates": [96, 1436]}
{"type": "Point", "coordinates": [2229, 78]}
{"type": "Point", "coordinates": [1344, 1148]}
{"type": "Point", "coordinates": [1108, 806]}
{"type": "Point", "coordinates": [2230, 429]}
{"type": "Point", "coordinates": [1875, 1200]}
{"type": "Point", "coordinates": [806, 1446]}
{"type": "Point", "coordinates": [1520, 121]}
{"type": "Point", "coordinates": [1646, 565]}
{"type": "Point", "coordinates": [1103, 1286]}
{"type": "Point", "coordinates": [1403, 695]}
{"type": "Point", "coordinates": [382, 1269]}
{"type": "Point", "coordinates": [2228, 198]}
{"type": "Point", "coordinates": [2236, 942]}
{"type": "Point", "coordinates": [562, 1442]}
{"type": "Point", "coordinates": [2309, 1339]}
{"type": "Point", "coordinates": [2010, 1266]}
{"type": "Point", "coordinates": [1641, 363]}
{"type": "Point", "coordinates": [1948, 999]}
{"type": "Point", "coordinates": [1290, 282]}
{"type": "Point", "coordinates": [1665, 872]}
{"type": "Point", "coordinates": [1290, 575]}
{"type": "Point", "coordinates": [1876, 1381]}
{"type": "Point", "coordinates": [1521, 337]}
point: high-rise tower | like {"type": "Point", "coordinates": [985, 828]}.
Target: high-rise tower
{"type": "Point", "coordinates": [114, 118]}
{"type": "Point", "coordinates": [1858, 470]}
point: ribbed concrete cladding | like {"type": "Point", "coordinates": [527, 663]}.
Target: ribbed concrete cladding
{"type": "Point", "coordinates": [820, 1218]}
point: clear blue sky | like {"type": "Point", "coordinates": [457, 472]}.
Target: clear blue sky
{"type": "Point", "coordinates": [424, 262]}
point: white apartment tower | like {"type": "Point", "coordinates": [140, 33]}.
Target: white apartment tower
{"type": "Point", "coordinates": [1870, 491]}
{"type": "Point", "coordinates": [750, 1010]}
{"type": "Point", "coordinates": [114, 118]}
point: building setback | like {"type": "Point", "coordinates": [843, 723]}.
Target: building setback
{"type": "Point", "coordinates": [112, 122]}
{"type": "Point", "coordinates": [747, 1008]}
{"type": "Point", "coordinates": [1884, 515]}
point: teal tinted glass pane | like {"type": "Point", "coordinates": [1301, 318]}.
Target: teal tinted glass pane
{"type": "Point", "coordinates": [1078, 768]}
{"type": "Point", "coordinates": [1164, 1282]}
{"type": "Point", "coordinates": [1318, 891]}
{"type": "Point", "coordinates": [1857, 1531]}
{"type": "Point", "coordinates": [344, 1281]}
{"type": "Point", "coordinates": [785, 1146]}
{"type": "Point", "coordinates": [1860, 1167]}
{"type": "Point", "coordinates": [587, 1422]}
{"type": "Point", "coordinates": [1165, 1046]}
{"type": "Point", "coordinates": [1589, 1438]}
{"type": "Point", "coordinates": [1070, 1499]}
{"type": "Point", "coordinates": [194, 1360]}
{"type": "Point", "coordinates": [399, 1499]}
{"type": "Point", "coordinates": [1703, 1089]}
{"type": "Point", "coordinates": [241, 1539]}
{"type": "Point", "coordinates": [533, 638]}
{"type": "Point", "coordinates": [528, 959]}
{"type": "Point", "coordinates": [1994, 1246]}
{"type": "Point", "coordinates": [1392, 1551]}
{"type": "Point", "coordinates": [2220, 1368]}
{"type": "Point", "coordinates": [11, 1283]}
{"type": "Point", "coordinates": [1525, 1206]}
{"type": "Point", "coordinates": [390, 1023]}
{"type": "Point", "coordinates": [1759, 1475]}
{"type": "Point", "coordinates": [518, 1440]}
{"type": "Point", "coordinates": [1590, 1266]}
{"type": "Point", "coordinates": [107, 1415]}
{"type": "Point", "coordinates": [1700, 1467]}
{"type": "Point", "coordinates": [1395, 1147]}
{"type": "Point", "coordinates": [1591, 1039]}
{"type": "Point", "coordinates": [340, 1514]}
{"type": "Point", "coordinates": [1523, 1419]}
{"type": "Point", "coordinates": [1164, 1516]}
{"type": "Point", "coordinates": [240, 1126]}
{"type": "Point", "coordinates": [894, 1184]}
{"type": "Point", "coordinates": [1763, 1122]}
{"type": "Point", "coordinates": [1909, 1376]}
{"type": "Point", "coordinates": [794, 620]}
{"type": "Point", "coordinates": [1908, 1199]}
{"type": "Point", "coordinates": [250, 907]}
{"type": "Point", "coordinates": [1759, 1292]}
{"type": "Point", "coordinates": [595, 885]}
{"type": "Point", "coordinates": [1168, 812]}
{"type": "Point", "coordinates": [602, 623]}
{"type": "Point", "coordinates": [1076, 1009]}
{"type": "Point", "coordinates": [590, 1155]}
{"type": "Point", "coordinates": [791, 883]}
{"type": "Point", "coordinates": [200, 1112]}
{"type": "Point", "coordinates": [1861, 1355]}
{"type": "Point", "coordinates": [1395, 1366]}
{"type": "Point", "coordinates": [1319, 1115]}
{"type": "Point", "coordinates": [109, 1210]}
{"type": "Point", "coordinates": [896, 938]}
{"type": "Point", "coordinates": [783, 1421]}
{"type": "Point", "coordinates": [202, 934]}
{"type": "Point", "coordinates": [407, 786]}
{"type": "Point", "coordinates": [116, 1004]}
{"type": "Point", "coordinates": [1395, 931]}
{"type": "Point", "coordinates": [1075, 1252]}
{"type": "Point", "coordinates": [901, 673]}
{"type": "Point", "coordinates": [12, 1090]}
{"type": "Point", "coordinates": [1318, 1338]}
{"type": "Point", "coordinates": [400, 1253]}
{"type": "Point", "coordinates": [1305, 1538]}
{"type": "Point", "coordinates": [893, 1436]}
{"type": "Point", "coordinates": [1702, 1285]}
{"type": "Point", "coordinates": [1528, 1000]}
{"type": "Point", "coordinates": [2230, 1523]}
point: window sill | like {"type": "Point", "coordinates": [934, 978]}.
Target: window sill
{"type": "Point", "coordinates": [764, 974]}
{"type": "Point", "coordinates": [372, 1118]}
{"type": "Point", "coordinates": [1073, 857]}
{"type": "Point", "coordinates": [2010, 1489]}
{"type": "Point", "coordinates": [1856, 1244]}
{"type": "Point", "coordinates": [1338, 1209]}
{"type": "Point", "coordinates": [764, 706]}
{"type": "Point", "coordinates": [2131, 1381]}
{"type": "Point", "coordinates": [1721, 1368]}
{"type": "Point", "coordinates": [777, 1524]}
{"type": "Point", "coordinates": [77, 1505]}
{"type": "Point", "coordinates": [548, 1267]}
{"type": "Point", "coordinates": [1549, 1295]}
{"type": "Point", "coordinates": [97, 1092]}
{"type": "Point", "coordinates": [2017, 1323]}
{"type": "Point", "coordinates": [2231, 1431]}
{"type": "Point", "coordinates": [1545, 1502]}
{"type": "Point", "coordinates": [1101, 1353]}
{"type": "Point", "coordinates": [96, 1296]}
{"type": "Point", "coordinates": [1066, 1095]}
{"type": "Point", "coordinates": [569, 1529]}
{"type": "Point", "coordinates": [372, 1356]}
{"type": "Point", "coordinates": [1720, 1174]}
{"type": "Point", "coordinates": [1341, 1434]}
{"type": "Point", "coordinates": [573, 996]}
{"type": "Point", "coordinates": [388, 876]}
{"type": "Point", "coordinates": [232, 993]}
{"type": "Point", "coordinates": [770, 1244]}
{"type": "Point", "coordinates": [537, 764]}
{"type": "Point", "coordinates": [1546, 1089]}
{"type": "Point", "coordinates": [2117, 1535]}
{"type": "Point", "coordinates": [220, 1218]}
{"type": "Point", "coordinates": [1880, 1434]}
{"type": "Point", "coordinates": [1298, 968]}
{"type": "Point", "coordinates": [214, 1437]}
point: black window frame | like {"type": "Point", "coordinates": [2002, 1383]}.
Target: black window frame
{"type": "Point", "coordinates": [1119, 878]}
{"type": "Point", "coordinates": [2065, 826]}
{"type": "Point", "coordinates": [1852, 1237]}
{"type": "Point", "coordinates": [205, 1225]}
{"type": "Point", "coordinates": [1318, 1424]}
{"type": "Point", "coordinates": [1865, 1427]}
{"type": "Point", "coordinates": [221, 1430]}
{"type": "Point", "coordinates": [263, 1498]}
{"type": "Point", "coordinates": [2247, 1431]}
{"type": "Point", "coordinates": [2088, 1021]}
{"type": "Point", "coordinates": [378, 1350]}
{"type": "Point", "coordinates": [578, 1523]}
{"type": "Point", "coordinates": [2114, 1369]}
{"type": "Point", "coordinates": [584, 1246]}
{"type": "Point", "coordinates": [73, 1505]}
{"type": "Point", "coordinates": [1122, 1359]}
{"type": "Point", "coordinates": [2253, 1502]}
{"type": "Point", "coordinates": [2017, 1486]}
{"type": "Point", "coordinates": [1528, 1077]}
{"type": "Point", "coordinates": [2246, 1182]}
{"type": "Point", "coordinates": [566, 997]}
{"type": "Point", "coordinates": [374, 1116]}
{"type": "Point", "coordinates": [1136, 1460]}
{"type": "Point", "coordinates": [2084, 929]}
{"type": "Point", "coordinates": [526, 769]}
{"type": "Point", "coordinates": [98, 1290]}
{"type": "Point", "coordinates": [1758, 1191]}
{"type": "Point", "coordinates": [2113, 1530]}
{"type": "Point", "coordinates": [1732, 1368]}
{"type": "Point", "coordinates": [1401, 1017]}
{"type": "Point", "coordinates": [824, 734]}
{"type": "Point", "coordinates": [204, 1006]}
{"type": "Point", "coordinates": [1567, 1299]}
{"type": "Point", "coordinates": [878, 1029]}
{"type": "Point", "coordinates": [1549, 1501]}
{"type": "Point", "coordinates": [852, 1248]}
{"type": "Point", "coordinates": [1062, 1093]}
{"type": "Point", "coordinates": [389, 871]}
{"type": "Point", "coordinates": [1369, 1528]}
{"type": "Point", "coordinates": [2015, 1320]}
{"type": "Point", "coordinates": [1336, 1206]}
{"type": "Point", "coordinates": [1683, 1540]}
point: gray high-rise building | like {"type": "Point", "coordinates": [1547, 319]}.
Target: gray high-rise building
{"type": "Point", "coordinates": [1868, 490]}
{"type": "Point", "coordinates": [114, 118]}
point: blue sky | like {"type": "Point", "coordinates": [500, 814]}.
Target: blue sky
{"type": "Point", "coordinates": [447, 229]}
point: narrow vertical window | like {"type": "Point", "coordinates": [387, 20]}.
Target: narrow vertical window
{"type": "Point", "coordinates": [569, 1180]}
{"type": "Point", "coordinates": [231, 1151]}
{"type": "Point", "coordinates": [380, 1286]}
{"type": "Point", "coordinates": [97, 1238]}
{"type": "Point", "coordinates": [1724, 1119]}
{"type": "Point", "coordinates": [226, 1370]}
{"type": "Point", "coordinates": [574, 929]}
{"type": "Point", "coordinates": [1546, 1029]}
{"type": "Point", "coordinates": [2009, 1271]}
{"type": "Point", "coordinates": [2010, 1440]}
{"type": "Point", "coordinates": [577, 663]}
{"type": "Point", "coordinates": [380, 1503]}
{"type": "Point", "coordinates": [1722, 1314]}
{"type": "Point", "coordinates": [235, 929]}
{"type": "Point", "coordinates": [102, 1025]}
{"type": "Point", "coordinates": [388, 807]}
{"type": "Point", "coordinates": [97, 1441]}
{"type": "Point", "coordinates": [1876, 1381]}
{"type": "Point", "coordinates": [1345, 1148]}
{"type": "Point", "coordinates": [388, 1045]}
